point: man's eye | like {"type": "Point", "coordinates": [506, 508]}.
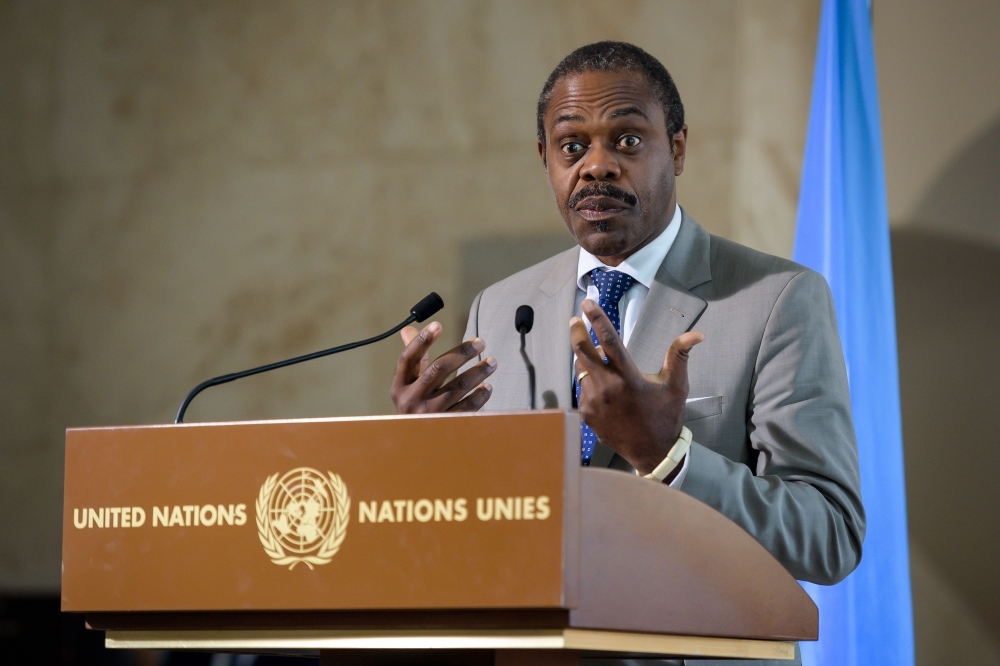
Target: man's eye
{"type": "Point", "coordinates": [629, 141]}
{"type": "Point", "coordinates": [572, 147]}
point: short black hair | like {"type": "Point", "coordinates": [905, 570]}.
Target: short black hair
{"type": "Point", "coordinates": [612, 57]}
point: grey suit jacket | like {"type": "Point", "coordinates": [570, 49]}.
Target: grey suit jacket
{"type": "Point", "coordinates": [774, 446]}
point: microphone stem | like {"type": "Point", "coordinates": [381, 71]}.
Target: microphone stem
{"type": "Point", "coordinates": [225, 379]}
{"type": "Point", "coordinates": [531, 371]}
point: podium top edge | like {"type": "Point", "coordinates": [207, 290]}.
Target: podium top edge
{"type": "Point", "coordinates": [324, 419]}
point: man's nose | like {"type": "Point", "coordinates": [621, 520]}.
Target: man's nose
{"type": "Point", "coordinates": [600, 163]}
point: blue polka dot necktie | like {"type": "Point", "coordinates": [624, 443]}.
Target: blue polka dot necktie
{"type": "Point", "coordinates": [611, 286]}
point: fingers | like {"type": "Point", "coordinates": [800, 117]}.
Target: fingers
{"type": "Point", "coordinates": [583, 347]}
{"type": "Point", "coordinates": [675, 365]}
{"type": "Point", "coordinates": [581, 366]}
{"type": "Point", "coordinates": [417, 385]}
{"type": "Point", "coordinates": [607, 336]}
{"type": "Point", "coordinates": [409, 367]}
{"type": "Point", "coordinates": [474, 401]}
{"type": "Point", "coordinates": [450, 361]}
{"type": "Point", "coordinates": [408, 333]}
{"type": "Point", "coordinates": [452, 393]}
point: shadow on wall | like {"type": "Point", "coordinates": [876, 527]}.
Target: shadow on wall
{"type": "Point", "coordinates": [490, 260]}
{"type": "Point", "coordinates": [947, 270]}
{"type": "Point", "coordinates": [948, 315]}
{"type": "Point", "coordinates": [965, 199]}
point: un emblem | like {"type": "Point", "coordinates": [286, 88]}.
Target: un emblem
{"type": "Point", "coordinates": [302, 517]}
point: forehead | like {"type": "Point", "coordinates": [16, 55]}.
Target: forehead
{"type": "Point", "coordinates": [596, 95]}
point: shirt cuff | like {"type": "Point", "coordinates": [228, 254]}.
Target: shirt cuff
{"type": "Point", "coordinates": [679, 479]}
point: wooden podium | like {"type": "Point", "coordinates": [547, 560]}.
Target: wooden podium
{"type": "Point", "coordinates": [472, 539]}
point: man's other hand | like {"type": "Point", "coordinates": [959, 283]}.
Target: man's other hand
{"type": "Point", "coordinates": [419, 386]}
{"type": "Point", "coordinates": [639, 416]}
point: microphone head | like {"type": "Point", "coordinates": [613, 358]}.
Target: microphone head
{"type": "Point", "coordinates": [427, 306]}
{"type": "Point", "coordinates": [524, 318]}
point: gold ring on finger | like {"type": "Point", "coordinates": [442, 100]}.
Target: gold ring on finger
{"type": "Point", "coordinates": [579, 377]}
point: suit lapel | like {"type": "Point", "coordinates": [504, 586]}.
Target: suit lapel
{"type": "Point", "coordinates": [554, 354]}
{"type": "Point", "coordinates": [670, 308]}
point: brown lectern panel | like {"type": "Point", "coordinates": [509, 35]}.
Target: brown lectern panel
{"type": "Point", "coordinates": [377, 513]}
{"type": "Point", "coordinates": [655, 560]}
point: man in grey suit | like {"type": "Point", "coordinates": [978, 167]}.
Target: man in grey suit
{"type": "Point", "coordinates": [749, 414]}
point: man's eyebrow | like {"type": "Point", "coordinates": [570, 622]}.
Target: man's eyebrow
{"type": "Point", "coordinates": [569, 118]}
{"type": "Point", "coordinates": [627, 111]}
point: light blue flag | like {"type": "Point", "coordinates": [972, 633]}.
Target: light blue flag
{"type": "Point", "coordinates": [843, 233]}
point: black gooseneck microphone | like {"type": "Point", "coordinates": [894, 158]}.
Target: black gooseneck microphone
{"type": "Point", "coordinates": [427, 306]}
{"type": "Point", "coordinates": [524, 319]}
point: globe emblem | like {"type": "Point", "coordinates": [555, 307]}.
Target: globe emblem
{"type": "Point", "coordinates": [302, 516]}
{"type": "Point", "coordinates": [302, 510]}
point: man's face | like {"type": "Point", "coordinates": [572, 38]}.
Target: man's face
{"type": "Point", "coordinates": [609, 161]}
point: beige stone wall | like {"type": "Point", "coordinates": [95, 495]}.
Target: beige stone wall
{"type": "Point", "coordinates": [190, 189]}
{"type": "Point", "coordinates": [939, 91]}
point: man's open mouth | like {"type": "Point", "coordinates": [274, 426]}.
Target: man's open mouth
{"type": "Point", "coordinates": [600, 208]}
{"type": "Point", "coordinates": [601, 201]}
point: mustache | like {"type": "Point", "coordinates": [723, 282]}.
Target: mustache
{"type": "Point", "coordinates": [602, 189]}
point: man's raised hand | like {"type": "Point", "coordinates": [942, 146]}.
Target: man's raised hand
{"type": "Point", "coordinates": [639, 416]}
{"type": "Point", "coordinates": [419, 384]}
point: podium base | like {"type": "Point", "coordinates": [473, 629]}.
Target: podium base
{"type": "Point", "coordinates": [449, 657]}
{"type": "Point", "coordinates": [495, 647]}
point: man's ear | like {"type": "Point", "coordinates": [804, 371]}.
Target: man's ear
{"type": "Point", "coordinates": [678, 143]}
{"type": "Point", "coordinates": [541, 153]}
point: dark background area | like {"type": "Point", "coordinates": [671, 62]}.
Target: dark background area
{"type": "Point", "coordinates": [33, 632]}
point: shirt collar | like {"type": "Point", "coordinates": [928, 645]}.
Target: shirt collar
{"type": "Point", "coordinates": [643, 264]}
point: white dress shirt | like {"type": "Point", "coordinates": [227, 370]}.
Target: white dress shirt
{"type": "Point", "coordinates": [642, 266]}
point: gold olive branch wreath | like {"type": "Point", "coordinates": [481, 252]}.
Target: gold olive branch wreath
{"type": "Point", "coordinates": [328, 548]}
